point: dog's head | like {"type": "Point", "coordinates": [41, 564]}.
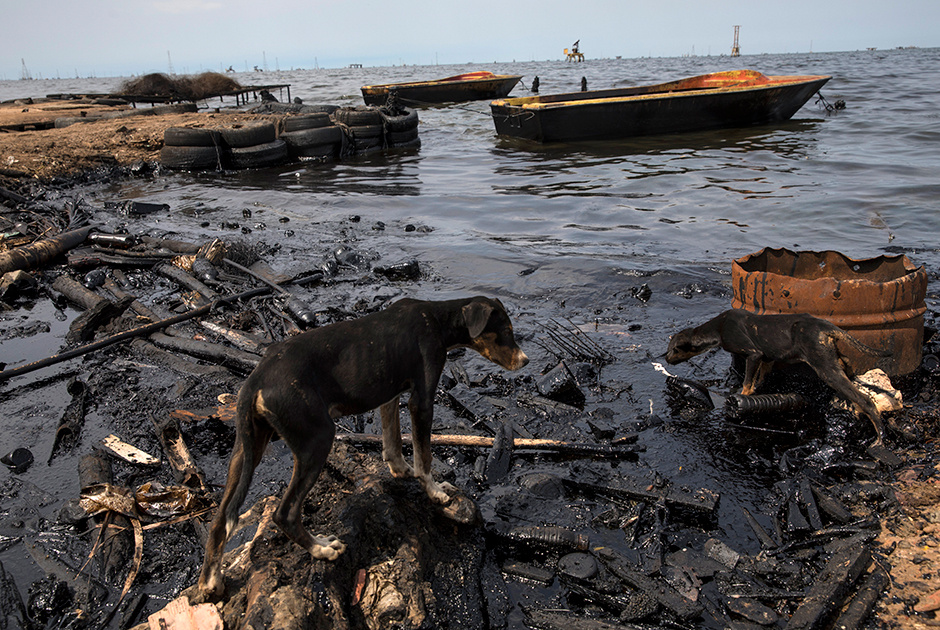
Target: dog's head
{"type": "Point", "coordinates": [491, 333]}
{"type": "Point", "coordinates": [686, 344]}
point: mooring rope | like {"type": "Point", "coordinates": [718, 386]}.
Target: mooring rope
{"type": "Point", "coordinates": [840, 104]}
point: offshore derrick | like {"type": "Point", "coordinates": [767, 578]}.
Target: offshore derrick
{"type": "Point", "coordinates": [735, 49]}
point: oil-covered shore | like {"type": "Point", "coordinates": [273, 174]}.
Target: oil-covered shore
{"type": "Point", "coordinates": [616, 283]}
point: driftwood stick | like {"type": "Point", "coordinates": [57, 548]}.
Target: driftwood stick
{"type": "Point", "coordinates": [140, 331]}
{"type": "Point", "coordinates": [181, 277]}
{"type": "Point", "coordinates": [77, 293]}
{"type": "Point", "coordinates": [217, 353]}
{"type": "Point", "coordinates": [185, 469]}
{"type": "Point", "coordinates": [478, 441]}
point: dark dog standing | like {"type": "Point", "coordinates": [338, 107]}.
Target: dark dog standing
{"type": "Point", "coordinates": [767, 339]}
{"type": "Point", "coordinates": [303, 383]}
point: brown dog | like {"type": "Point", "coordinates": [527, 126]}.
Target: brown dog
{"type": "Point", "coordinates": [767, 339]}
{"type": "Point", "coordinates": [303, 383]}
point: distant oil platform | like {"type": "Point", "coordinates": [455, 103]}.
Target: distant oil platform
{"type": "Point", "coordinates": [735, 49]}
{"type": "Point", "coordinates": [575, 53]}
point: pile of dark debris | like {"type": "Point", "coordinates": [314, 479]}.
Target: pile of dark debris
{"type": "Point", "coordinates": [568, 535]}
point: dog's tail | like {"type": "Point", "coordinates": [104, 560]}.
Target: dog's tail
{"type": "Point", "coordinates": [253, 428]}
{"type": "Point", "coordinates": [840, 335]}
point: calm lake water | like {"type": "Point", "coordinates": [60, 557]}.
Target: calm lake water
{"type": "Point", "coordinates": [571, 230]}
{"type": "Point", "coordinates": [858, 181]}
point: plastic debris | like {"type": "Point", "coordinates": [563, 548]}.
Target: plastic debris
{"type": "Point", "coordinates": [128, 452]}
{"type": "Point", "coordinates": [18, 459]}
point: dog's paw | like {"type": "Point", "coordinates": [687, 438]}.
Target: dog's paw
{"type": "Point", "coordinates": [439, 492]}
{"type": "Point", "coordinates": [461, 509]}
{"type": "Point", "coordinates": [450, 489]}
{"type": "Point", "coordinates": [210, 589]}
{"type": "Point", "coordinates": [327, 547]}
{"type": "Point", "coordinates": [400, 468]}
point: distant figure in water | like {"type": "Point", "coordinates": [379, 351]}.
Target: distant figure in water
{"type": "Point", "coordinates": [584, 84]}
{"type": "Point", "coordinates": [535, 84]}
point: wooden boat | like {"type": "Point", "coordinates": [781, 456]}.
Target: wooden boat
{"type": "Point", "coordinates": [721, 99]}
{"type": "Point", "coordinates": [471, 86]}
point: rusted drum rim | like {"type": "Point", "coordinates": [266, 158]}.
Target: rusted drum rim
{"type": "Point", "coordinates": [879, 301]}
{"type": "Point", "coordinates": [898, 299]}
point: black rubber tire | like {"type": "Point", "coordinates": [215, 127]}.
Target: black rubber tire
{"type": "Point", "coordinates": [190, 158]}
{"type": "Point", "coordinates": [401, 137]}
{"type": "Point", "coordinates": [403, 122]}
{"type": "Point", "coordinates": [364, 144]}
{"type": "Point", "coordinates": [361, 132]}
{"type": "Point", "coordinates": [260, 155]}
{"type": "Point", "coordinates": [191, 137]}
{"type": "Point", "coordinates": [311, 137]}
{"type": "Point", "coordinates": [360, 116]}
{"type": "Point", "coordinates": [307, 121]}
{"type": "Point", "coordinates": [249, 134]}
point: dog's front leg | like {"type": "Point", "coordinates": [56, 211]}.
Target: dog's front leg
{"type": "Point", "coordinates": [755, 370]}
{"type": "Point", "coordinates": [422, 417]}
{"type": "Point", "coordinates": [391, 440]}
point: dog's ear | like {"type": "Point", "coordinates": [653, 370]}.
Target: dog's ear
{"type": "Point", "coordinates": [476, 314]}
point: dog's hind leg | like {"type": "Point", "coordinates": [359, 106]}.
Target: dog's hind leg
{"type": "Point", "coordinates": [391, 440]}
{"type": "Point", "coordinates": [249, 448]}
{"type": "Point", "coordinates": [309, 434]}
{"type": "Point", "coordinates": [827, 365]}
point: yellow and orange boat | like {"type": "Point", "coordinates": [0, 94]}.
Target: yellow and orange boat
{"type": "Point", "coordinates": [470, 86]}
{"type": "Point", "coordinates": [735, 98]}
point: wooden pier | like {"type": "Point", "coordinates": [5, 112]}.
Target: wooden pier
{"type": "Point", "coordinates": [241, 95]}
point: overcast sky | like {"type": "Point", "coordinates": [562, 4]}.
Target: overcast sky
{"type": "Point", "coordinates": [65, 38]}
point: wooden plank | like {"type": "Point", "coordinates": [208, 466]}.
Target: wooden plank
{"type": "Point", "coordinates": [831, 588]}
{"type": "Point", "coordinates": [858, 610]}
{"type": "Point", "coordinates": [128, 452]}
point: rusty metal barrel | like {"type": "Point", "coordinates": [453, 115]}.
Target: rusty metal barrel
{"type": "Point", "coordinates": [879, 301]}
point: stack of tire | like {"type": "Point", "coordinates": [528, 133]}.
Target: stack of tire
{"type": "Point", "coordinates": [193, 149]}
{"type": "Point", "coordinates": [245, 145]}
{"type": "Point", "coordinates": [327, 133]}
{"type": "Point", "coordinates": [363, 127]}
{"type": "Point", "coordinates": [253, 145]}
{"type": "Point", "coordinates": [401, 127]}
{"type": "Point", "coordinates": [312, 136]}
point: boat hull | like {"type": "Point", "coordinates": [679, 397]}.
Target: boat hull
{"type": "Point", "coordinates": [667, 108]}
{"type": "Point", "coordinates": [438, 92]}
